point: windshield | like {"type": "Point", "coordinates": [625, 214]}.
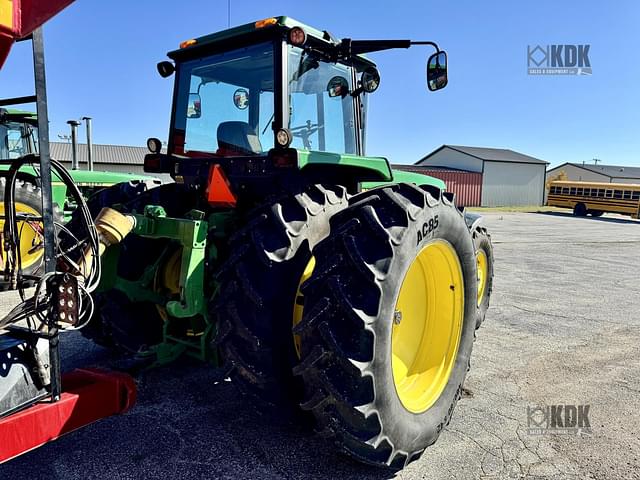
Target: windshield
{"type": "Point", "coordinates": [225, 103]}
{"type": "Point", "coordinates": [17, 139]}
{"type": "Point", "coordinates": [321, 110]}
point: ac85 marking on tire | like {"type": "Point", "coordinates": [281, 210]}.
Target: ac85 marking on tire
{"type": "Point", "coordinates": [427, 228]}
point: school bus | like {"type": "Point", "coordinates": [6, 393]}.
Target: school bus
{"type": "Point", "coordinates": [594, 198]}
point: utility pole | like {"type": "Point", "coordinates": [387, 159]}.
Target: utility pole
{"type": "Point", "coordinates": [596, 160]}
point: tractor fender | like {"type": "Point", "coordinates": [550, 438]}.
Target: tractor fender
{"type": "Point", "coordinates": [473, 220]}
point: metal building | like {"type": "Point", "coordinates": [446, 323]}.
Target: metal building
{"type": "Point", "coordinates": [466, 185]}
{"type": "Point", "coordinates": [597, 173]}
{"type": "Point", "coordinates": [108, 158]}
{"type": "Point", "coordinates": [508, 178]}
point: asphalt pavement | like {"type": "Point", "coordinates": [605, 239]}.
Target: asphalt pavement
{"type": "Point", "coordinates": [563, 329]}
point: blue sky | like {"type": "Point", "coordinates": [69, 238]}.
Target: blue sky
{"type": "Point", "coordinates": [101, 60]}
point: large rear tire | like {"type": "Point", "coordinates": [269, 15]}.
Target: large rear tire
{"type": "Point", "coordinates": [388, 324]}
{"type": "Point", "coordinates": [258, 285]}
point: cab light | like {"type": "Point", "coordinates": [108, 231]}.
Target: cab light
{"type": "Point", "coordinates": [188, 43]}
{"type": "Point", "coordinates": [266, 22]}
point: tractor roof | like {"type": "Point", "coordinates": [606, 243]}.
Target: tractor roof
{"type": "Point", "coordinates": [14, 115]}
{"type": "Point", "coordinates": [248, 28]}
{"type": "Point", "coordinates": [259, 29]}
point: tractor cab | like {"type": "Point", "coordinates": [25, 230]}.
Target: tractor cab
{"type": "Point", "coordinates": [18, 133]}
{"type": "Point", "coordinates": [275, 89]}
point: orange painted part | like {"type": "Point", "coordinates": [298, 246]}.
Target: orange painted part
{"type": "Point", "coordinates": [89, 395]}
{"type": "Point", "coordinates": [27, 15]}
{"type": "Point", "coordinates": [219, 192]}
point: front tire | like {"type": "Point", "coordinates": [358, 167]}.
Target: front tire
{"type": "Point", "coordinates": [389, 322]}
{"type": "Point", "coordinates": [580, 210]}
{"type": "Point", "coordinates": [484, 260]}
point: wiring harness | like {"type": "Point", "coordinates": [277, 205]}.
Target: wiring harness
{"type": "Point", "coordinates": [38, 310]}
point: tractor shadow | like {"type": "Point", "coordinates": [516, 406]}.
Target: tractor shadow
{"type": "Point", "coordinates": [604, 218]}
{"type": "Point", "coordinates": [188, 423]}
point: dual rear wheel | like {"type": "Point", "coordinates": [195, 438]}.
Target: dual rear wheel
{"type": "Point", "coordinates": [384, 314]}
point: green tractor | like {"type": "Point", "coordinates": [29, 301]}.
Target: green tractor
{"type": "Point", "coordinates": [320, 277]}
{"type": "Point", "coordinates": [19, 137]}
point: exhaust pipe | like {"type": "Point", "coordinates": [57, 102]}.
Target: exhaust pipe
{"type": "Point", "coordinates": [74, 143]}
{"type": "Point", "coordinates": [87, 121]}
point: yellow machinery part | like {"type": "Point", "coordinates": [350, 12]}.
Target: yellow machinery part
{"type": "Point", "coordinates": [427, 326]}
{"type": "Point", "coordinates": [30, 233]}
{"type": "Point", "coordinates": [481, 260]}
{"type": "Point", "coordinates": [298, 304]}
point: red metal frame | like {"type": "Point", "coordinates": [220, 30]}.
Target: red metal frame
{"type": "Point", "coordinates": [89, 395]}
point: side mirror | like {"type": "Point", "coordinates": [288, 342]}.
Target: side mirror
{"type": "Point", "coordinates": [194, 107]}
{"type": "Point", "coordinates": [338, 87]}
{"type": "Point", "coordinates": [165, 69]}
{"type": "Point", "coordinates": [437, 71]}
{"type": "Point", "coordinates": [370, 79]}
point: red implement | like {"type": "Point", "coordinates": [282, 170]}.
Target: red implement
{"type": "Point", "coordinates": [89, 395]}
{"type": "Point", "coordinates": [18, 18]}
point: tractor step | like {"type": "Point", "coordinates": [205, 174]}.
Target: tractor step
{"type": "Point", "coordinates": [89, 395]}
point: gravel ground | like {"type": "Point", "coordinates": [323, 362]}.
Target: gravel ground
{"type": "Point", "coordinates": [563, 328]}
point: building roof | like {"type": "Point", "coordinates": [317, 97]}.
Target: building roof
{"type": "Point", "coordinates": [489, 154]}
{"type": "Point", "coordinates": [109, 154]}
{"type": "Point", "coordinates": [422, 168]}
{"type": "Point", "coordinates": [611, 171]}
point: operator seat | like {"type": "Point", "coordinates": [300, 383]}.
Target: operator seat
{"type": "Point", "coordinates": [237, 138]}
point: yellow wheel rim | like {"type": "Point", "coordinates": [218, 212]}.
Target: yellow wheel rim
{"type": "Point", "coordinates": [30, 233]}
{"type": "Point", "coordinates": [298, 304]}
{"type": "Point", "coordinates": [427, 326]}
{"type": "Point", "coordinates": [481, 260]}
